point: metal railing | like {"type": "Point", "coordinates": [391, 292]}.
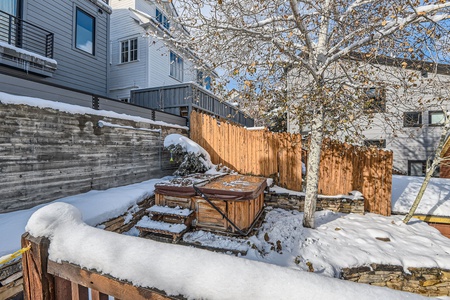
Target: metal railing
{"type": "Point", "coordinates": [22, 34]}
{"type": "Point", "coordinates": [175, 98]}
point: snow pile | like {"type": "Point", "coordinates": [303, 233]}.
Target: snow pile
{"type": "Point", "coordinates": [76, 109]}
{"type": "Point", "coordinates": [95, 206]}
{"type": "Point", "coordinates": [435, 201]}
{"type": "Point", "coordinates": [195, 273]}
{"type": "Point", "coordinates": [188, 145]}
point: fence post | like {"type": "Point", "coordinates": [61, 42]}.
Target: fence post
{"type": "Point", "coordinates": [38, 284]}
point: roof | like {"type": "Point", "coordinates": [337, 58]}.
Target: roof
{"type": "Point", "coordinates": [419, 65]}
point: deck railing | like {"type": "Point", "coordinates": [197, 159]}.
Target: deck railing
{"type": "Point", "coordinates": [45, 279]}
{"type": "Point", "coordinates": [25, 35]}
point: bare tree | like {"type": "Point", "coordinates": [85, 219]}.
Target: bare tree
{"type": "Point", "coordinates": [330, 48]}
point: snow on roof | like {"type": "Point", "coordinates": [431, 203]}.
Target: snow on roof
{"type": "Point", "coordinates": [76, 109]}
{"type": "Point", "coordinates": [435, 201]}
{"type": "Point", "coordinates": [194, 273]}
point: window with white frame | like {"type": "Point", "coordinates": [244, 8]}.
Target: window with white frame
{"type": "Point", "coordinates": [128, 50]}
{"type": "Point", "coordinates": [176, 66]}
{"type": "Point", "coordinates": [436, 118]}
{"type": "Point", "coordinates": [162, 19]}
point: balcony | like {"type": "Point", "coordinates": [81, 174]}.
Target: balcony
{"type": "Point", "coordinates": [181, 99]}
{"type": "Point", "coordinates": [26, 46]}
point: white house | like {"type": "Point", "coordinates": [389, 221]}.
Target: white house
{"type": "Point", "coordinates": [139, 56]}
{"type": "Point", "coordinates": [407, 118]}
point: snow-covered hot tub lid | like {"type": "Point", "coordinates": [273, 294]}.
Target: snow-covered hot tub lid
{"type": "Point", "coordinates": [183, 186]}
{"type": "Point", "coordinates": [234, 187]}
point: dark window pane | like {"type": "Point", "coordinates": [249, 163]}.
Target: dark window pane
{"type": "Point", "coordinates": [416, 167]}
{"type": "Point", "coordinates": [375, 143]}
{"type": "Point", "coordinates": [375, 99]}
{"type": "Point", "coordinates": [412, 119]}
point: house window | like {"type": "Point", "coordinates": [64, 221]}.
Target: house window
{"type": "Point", "coordinates": [200, 78]}
{"type": "Point", "coordinates": [176, 66]}
{"type": "Point", "coordinates": [412, 119]}
{"type": "Point", "coordinates": [375, 99]}
{"type": "Point", "coordinates": [436, 118]}
{"type": "Point", "coordinates": [203, 81]}
{"type": "Point", "coordinates": [162, 19]}
{"type": "Point", "coordinates": [85, 32]}
{"type": "Point", "coordinates": [128, 51]}
{"type": "Point", "coordinates": [417, 167]}
{"type": "Point", "coordinates": [11, 7]}
{"type": "Point", "coordinates": [126, 100]}
{"type": "Point", "coordinates": [375, 143]}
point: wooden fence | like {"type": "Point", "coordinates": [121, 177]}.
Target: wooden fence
{"type": "Point", "coordinates": [343, 168]}
{"type": "Point", "coordinates": [256, 152]}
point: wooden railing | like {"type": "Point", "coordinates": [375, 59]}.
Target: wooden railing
{"type": "Point", "coordinates": [45, 279]}
{"type": "Point", "coordinates": [343, 167]}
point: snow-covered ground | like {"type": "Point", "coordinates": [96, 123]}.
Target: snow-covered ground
{"type": "Point", "coordinates": [192, 272]}
{"type": "Point", "coordinates": [435, 201]}
{"type": "Point", "coordinates": [95, 206]}
{"type": "Point", "coordinates": [340, 240]}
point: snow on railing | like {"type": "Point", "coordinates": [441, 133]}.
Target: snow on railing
{"type": "Point", "coordinates": [65, 252]}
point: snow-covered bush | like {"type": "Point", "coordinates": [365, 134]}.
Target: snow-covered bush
{"type": "Point", "coordinates": [189, 162]}
{"type": "Point", "coordinates": [191, 156]}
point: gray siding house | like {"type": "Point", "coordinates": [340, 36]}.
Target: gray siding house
{"type": "Point", "coordinates": [140, 58]}
{"type": "Point", "coordinates": [406, 120]}
{"type": "Point", "coordinates": [61, 43]}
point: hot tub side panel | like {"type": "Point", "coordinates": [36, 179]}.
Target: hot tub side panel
{"type": "Point", "coordinates": [242, 213]}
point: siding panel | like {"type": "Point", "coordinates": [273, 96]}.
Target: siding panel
{"type": "Point", "coordinates": [75, 69]}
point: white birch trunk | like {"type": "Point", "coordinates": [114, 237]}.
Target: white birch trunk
{"type": "Point", "coordinates": [312, 177]}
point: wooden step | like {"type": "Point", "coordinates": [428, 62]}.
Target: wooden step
{"type": "Point", "coordinates": [170, 211]}
{"type": "Point", "coordinates": [147, 226]}
{"type": "Point", "coordinates": [171, 215]}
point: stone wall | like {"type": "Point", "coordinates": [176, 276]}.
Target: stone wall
{"type": "Point", "coordinates": [424, 281]}
{"type": "Point", "coordinates": [47, 154]}
{"type": "Point", "coordinates": [287, 201]}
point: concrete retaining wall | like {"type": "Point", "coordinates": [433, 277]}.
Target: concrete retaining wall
{"type": "Point", "coordinates": [47, 154]}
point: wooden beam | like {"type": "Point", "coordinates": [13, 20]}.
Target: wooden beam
{"type": "Point", "coordinates": [433, 219]}
{"type": "Point", "coordinates": [104, 283]}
